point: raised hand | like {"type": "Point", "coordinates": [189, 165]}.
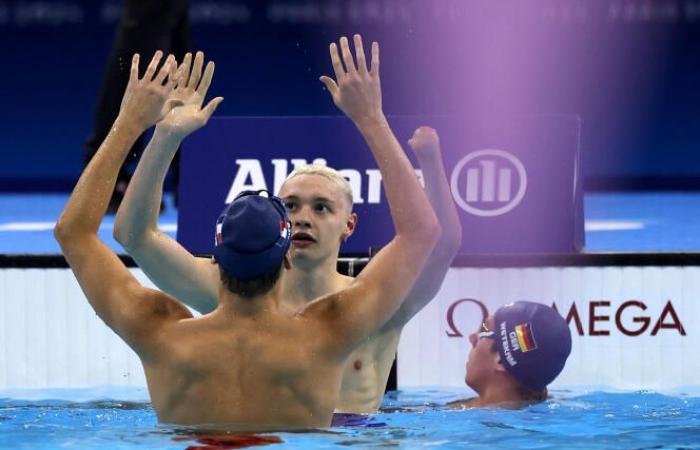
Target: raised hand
{"type": "Point", "coordinates": [356, 89]}
{"type": "Point", "coordinates": [147, 99]}
{"type": "Point", "coordinates": [190, 93]}
{"type": "Point", "coordinates": [424, 140]}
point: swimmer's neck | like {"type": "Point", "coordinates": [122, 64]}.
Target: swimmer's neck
{"type": "Point", "coordinates": [502, 395]}
{"type": "Point", "coordinates": [233, 305]}
{"type": "Point", "coordinates": [304, 283]}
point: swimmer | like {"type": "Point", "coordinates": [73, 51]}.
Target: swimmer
{"type": "Point", "coordinates": [319, 201]}
{"type": "Point", "coordinates": [249, 364]}
{"type": "Point", "coordinates": [515, 354]}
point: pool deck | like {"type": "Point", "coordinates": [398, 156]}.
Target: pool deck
{"type": "Point", "coordinates": [614, 222]}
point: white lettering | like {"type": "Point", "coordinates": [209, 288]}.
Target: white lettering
{"type": "Point", "coordinates": [298, 162]}
{"type": "Point", "coordinates": [251, 176]}
{"type": "Point", "coordinates": [355, 180]}
{"type": "Point", "coordinates": [247, 169]}
{"type": "Point", "coordinates": [504, 343]}
{"type": "Point", "coordinates": [514, 341]}
{"type": "Point", "coordinates": [281, 174]}
{"type": "Point", "coordinates": [374, 186]}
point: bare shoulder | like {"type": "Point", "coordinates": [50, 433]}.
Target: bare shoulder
{"type": "Point", "coordinates": [345, 281]}
{"type": "Point", "coordinates": [159, 305]}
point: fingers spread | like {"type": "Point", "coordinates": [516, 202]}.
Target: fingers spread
{"type": "Point", "coordinates": [347, 55]}
{"type": "Point", "coordinates": [184, 70]}
{"type": "Point", "coordinates": [206, 80]}
{"type": "Point", "coordinates": [211, 107]}
{"type": "Point", "coordinates": [167, 68]}
{"type": "Point", "coordinates": [134, 75]}
{"type": "Point", "coordinates": [151, 70]}
{"type": "Point", "coordinates": [360, 54]}
{"type": "Point", "coordinates": [173, 76]}
{"type": "Point", "coordinates": [330, 84]}
{"type": "Point", "coordinates": [196, 71]}
{"type": "Point", "coordinates": [337, 65]}
{"type": "Point", "coordinates": [375, 59]}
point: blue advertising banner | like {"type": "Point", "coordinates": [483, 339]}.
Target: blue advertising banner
{"type": "Point", "coordinates": [515, 181]}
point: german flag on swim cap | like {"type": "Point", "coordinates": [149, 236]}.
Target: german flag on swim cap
{"type": "Point", "coordinates": [534, 342]}
{"type": "Point", "coordinates": [525, 338]}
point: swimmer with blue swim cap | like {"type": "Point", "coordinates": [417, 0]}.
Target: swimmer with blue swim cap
{"type": "Point", "coordinates": [252, 238]}
{"type": "Point", "coordinates": [516, 353]}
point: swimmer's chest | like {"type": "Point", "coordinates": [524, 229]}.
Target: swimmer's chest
{"type": "Point", "coordinates": [370, 363]}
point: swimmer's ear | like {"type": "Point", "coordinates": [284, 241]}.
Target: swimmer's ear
{"type": "Point", "coordinates": [498, 364]}
{"type": "Point", "coordinates": [350, 226]}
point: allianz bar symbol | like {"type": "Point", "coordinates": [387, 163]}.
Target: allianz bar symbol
{"type": "Point", "coordinates": [483, 182]}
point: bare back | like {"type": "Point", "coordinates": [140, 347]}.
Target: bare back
{"type": "Point", "coordinates": [270, 371]}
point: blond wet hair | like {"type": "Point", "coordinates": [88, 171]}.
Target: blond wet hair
{"type": "Point", "coordinates": [326, 172]}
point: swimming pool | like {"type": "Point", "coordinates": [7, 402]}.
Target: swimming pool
{"type": "Point", "coordinates": [122, 418]}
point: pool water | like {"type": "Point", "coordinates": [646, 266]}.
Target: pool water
{"type": "Point", "coordinates": [576, 418]}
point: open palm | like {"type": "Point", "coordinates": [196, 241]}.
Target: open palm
{"type": "Point", "coordinates": [190, 94]}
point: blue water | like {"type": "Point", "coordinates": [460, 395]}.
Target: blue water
{"type": "Point", "coordinates": [410, 419]}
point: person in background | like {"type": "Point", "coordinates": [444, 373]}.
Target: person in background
{"type": "Point", "coordinates": [144, 27]}
{"type": "Point", "coordinates": [515, 354]}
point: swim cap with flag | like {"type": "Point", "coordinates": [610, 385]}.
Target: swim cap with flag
{"type": "Point", "coordinates": [253, 234]}
{"type": "Point", "coordinates": [534, 342]}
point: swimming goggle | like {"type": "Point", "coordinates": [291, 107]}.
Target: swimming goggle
{"type": "Point", "coordinates": [485, 333]}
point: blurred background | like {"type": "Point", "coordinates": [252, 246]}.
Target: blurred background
{"type": "Point", "coordinates": [628, 68]}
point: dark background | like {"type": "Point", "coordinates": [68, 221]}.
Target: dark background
{"type": "Point", "coordinates": [628, 68]}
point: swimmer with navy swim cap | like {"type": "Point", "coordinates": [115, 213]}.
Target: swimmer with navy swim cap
{"type": "Point", "coordinates": [252, 237]}
{"type": "Point", "coordinates": [515, 354]}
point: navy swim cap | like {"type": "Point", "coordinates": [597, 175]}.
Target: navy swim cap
{"type": "Point", "coordinates": [253, 234]}
{"type": "Point", "coordinates": [534, 342]}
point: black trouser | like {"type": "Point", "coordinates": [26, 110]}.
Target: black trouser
{"type": "Point", "coordinates": [144, 27]}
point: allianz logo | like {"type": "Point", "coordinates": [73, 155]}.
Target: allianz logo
{"type": "Point", "coordinates": [250, 176]}
{"type": "Point", "coordinates": [484, 183]}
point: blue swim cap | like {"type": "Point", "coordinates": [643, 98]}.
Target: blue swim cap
{"type": "Point", "coordinates": [253, 234]}
{"type": "Point", "coordinates": [534, 342]}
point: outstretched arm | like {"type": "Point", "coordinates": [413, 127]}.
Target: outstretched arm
{"type": "Point", "coordinates": [375, 295]}
{"type": "Point", "coordinates": [426, 146]}
{"type": "Point", "coordinates": [131, 310]}
{"type": "Point", "coordinates": [170, 266]}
